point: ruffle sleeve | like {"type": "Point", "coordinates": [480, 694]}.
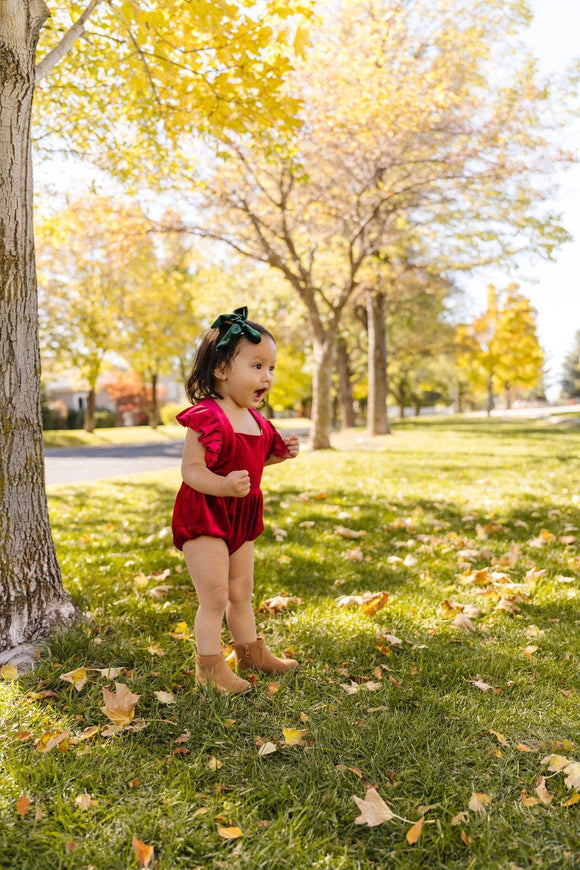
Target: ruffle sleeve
{"type": "Point", "coordinates": [205, 420]}
{"type": "Point", "coordinates": [277, 446]}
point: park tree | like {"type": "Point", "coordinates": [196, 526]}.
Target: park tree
{"type": "Point", "coordinates": [404, 122]}
{"type": "Point", "coordinates": [500, 348]}
{"type": "Point", "coordinates": [143, 76]}
{"type": "Point", "coordinates": [571, 370]}
{"type": "Point", "coordinates": [83, 255]}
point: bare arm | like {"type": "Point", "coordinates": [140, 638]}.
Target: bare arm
{"type": "Point", "coordinates": [292, 446]}
{"type": "Point", "coordinates": [196, 474]}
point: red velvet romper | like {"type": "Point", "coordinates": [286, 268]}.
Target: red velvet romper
{"type": "Point", "coordinates": [236, 520]}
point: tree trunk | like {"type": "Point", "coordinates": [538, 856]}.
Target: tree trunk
{"type": "Point", "coordinates": [490, 399]}
{"type": "Point", "coordinates": [32, 600]}
{"type": "Point", "coordinates": [508, 396]}
{"type": "Point", "coordinates": [90, 411]}
{"type": "Point", "coordinates": [377, 419]}
{"type": "Point", "coordinates": [345, 397]}
{"type": "Point", "coordinates": [153, 413]}
{"type": "Point", "coordinates": [322, 392]}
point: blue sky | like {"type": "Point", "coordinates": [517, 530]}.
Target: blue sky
{"type": "Point", "coordinates": [554, 288]}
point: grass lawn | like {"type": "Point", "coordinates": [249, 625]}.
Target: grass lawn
{"type": "Point", "coordinates": [447, 701]}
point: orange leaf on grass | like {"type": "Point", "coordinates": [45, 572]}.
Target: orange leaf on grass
{"type": "Point", "coordinates": [229, 833]}
{"type": "Point", "coordinates": [374, 604]}
{"type": "Point", "coordinates": [22, 805]}
{"type": "Point", "coordinates": [414, 833]}
{"type": "Point", "coordinates": [78, 678]}
{"type": "Point", "coordinates": [143, 852]}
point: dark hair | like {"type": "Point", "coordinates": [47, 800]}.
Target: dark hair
{"type": "Point", "coordinates": [200, 383]}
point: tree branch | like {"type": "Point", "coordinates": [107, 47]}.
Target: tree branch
{"type": "Point", "coordinates": [66, 43]}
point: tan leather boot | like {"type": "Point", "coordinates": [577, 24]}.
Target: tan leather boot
{"type": "Point", "coordinates": [214, 671]}
{"type": "Point", "coordinates": [257, 657]}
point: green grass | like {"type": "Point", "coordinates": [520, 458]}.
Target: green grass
{"type": "Point", "coordinates": [433, 490]}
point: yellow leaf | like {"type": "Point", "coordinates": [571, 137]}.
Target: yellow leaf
{"type": "Point", "coordinates": [48, 741]}
{"type": "Point", "coordinates": [527, 800]}
{"type": "Point", "coordinates": [143, 852]}
{"type": "Point", "coordinates": [376, 603]}
{"type": "Point", "coordinates": [156, 650]}
{"type": "Point", "coordinates": [414, 833]}
{"type": "Point", "coordinates": [500, 738]}
{"type": "Point", "coordinates": [523, 748]}
{"type": "Point", "coordinates": [214, 763]}
{"type": "Point", "coordinates": [22, 805]}
{"type": "Point", "coordinates": [120, 706]}
{"type": "Point", "coordinates": [9, 672]}
{"type": "Point", "coordinates": [229, 833]}
{"type": "Point", "coordinates": [88, 733]}
{"type": "Point", "coordinates": [84, 801]}
{"type": "Point", "coordinates": [267, 748]}
{"type": "Point", "coordinates": [571, 800]}
{"type": "Point", "coordinates": [374, 811]}
{"type": "Point", "coordinates": [556, 762]}
{"type": "Point", "coordinates": [294, 736]}
{"type": "Point", "coordinates": [78, 678]}
{"type": "Point", "coordinates": [181, 631]}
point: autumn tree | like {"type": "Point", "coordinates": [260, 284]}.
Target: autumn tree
{"type": "Point", "coordinates": [405, 122]}
{"type": "Point", "coordinates": [143, 77]}
{"type": "Point", "coordinates": [500, 348]}
{"type": "Point", "coordinates": [83, 254]}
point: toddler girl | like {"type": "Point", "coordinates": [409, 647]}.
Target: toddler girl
{"type": "Point", "coordinates": [218, 510]}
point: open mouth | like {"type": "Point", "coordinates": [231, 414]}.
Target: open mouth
{"type": "Point", "coordinates": [259, 394]}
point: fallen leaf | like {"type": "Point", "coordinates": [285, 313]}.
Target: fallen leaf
{"type": "Point", "coordinates": [84, 801]}
{"type": "Point", "coordinates": [156, 650]}
{"type": "Point", "coordinates": [78, 678]}
{"type": "Point", "coordinates": [573, 778]}
{"type": "Point", "coordinates": [555, 762]}
{"type": "Point", "coordinates": [49, 741]}
{"type": "Point", "coordinates": [88, 733]}
{"type": "Point", "coordinates": [181, 631]}
{"type": "Point", "coordinates": [460, 818]}
{"type": "Point", "coordinates": [414, 833]}
{"type": "Point", "coordinates": [143, 852]}
{"type": "Point", "coordinates": [267, 748]}
{"type": "Point", "coordinates": [120, 705]}
{"type": "Point", "coordinates": [348, 533]}
{"type": "Point", "coordinates": [229, 833]}
{"type": "Point", "coordinates": [9, 672]}
{"type": "Point", "coordinates": [478, 802]}
{"type": "Point", "coordinates": [108, 673]}
{"type": "Point", "coordinates": [22, 805]}
{"type": "Point", "coordinates": [464, 622]}
{"type": "Point", "coordinates": [479, 684]}
{"type": "Point", "coordinates": [273, 688]}
{"type": "Point", "coordinates": [521, 747]}
{"type": "Point", "coordinates": [374, 811]}
{"type": "Point", "coordinates": [571, 800]}
{"type": "Point", "coordinates": [500, 738]}
{"type": "Point", "coordinates": [376, 603]}
{"type": "Point", "coordinates": [542, 791]}
{"type": "Point", "coordinates": [214, 763]}
{"type": "Point", "coordinates": [279, 603]}
{"type": "Point", "coordinates": [527, 800]}
{"type": "Point", "coordinates": [165, 697]}
{"type": "Point", "coordinates": [294, 736]}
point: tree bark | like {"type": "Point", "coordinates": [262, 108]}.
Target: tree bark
{"type": "Point", "coordinates": [90, 411]}
{"type": "Point", "coordinates": [323, 348]}
{"type": "Point", "coordinates": [345, 397]}
{"type": "Point", "coordinates": [32, 599]}
{"type": "Point", "coordinates": [377, 418]}
{"type": "Point", "coordinates": [490, 396]}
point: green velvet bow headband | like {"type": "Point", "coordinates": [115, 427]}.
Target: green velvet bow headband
{"type": "Point", "coordinates": [236, 327]}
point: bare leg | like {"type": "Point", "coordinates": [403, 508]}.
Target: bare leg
{"type": "Point", "coordinates": [208, 563]}
{"type": "Point", "coordinates": [239, 610]}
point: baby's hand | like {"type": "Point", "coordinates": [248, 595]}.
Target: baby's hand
{"type": "Point", "coordinates": [292, 445]}
{"type": "Point", "coordinates": [237, 484]}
